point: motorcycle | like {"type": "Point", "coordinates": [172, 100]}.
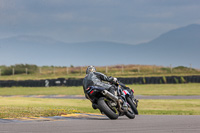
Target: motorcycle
{"type": "Point", "coordinates": [113, 105]}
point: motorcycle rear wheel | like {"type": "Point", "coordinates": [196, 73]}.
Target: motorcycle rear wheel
{"type": "Point", "coordinates": [103, 106]}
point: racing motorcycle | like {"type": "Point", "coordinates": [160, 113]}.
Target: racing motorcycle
{"type": "Point", "coordinates": [113, 105]}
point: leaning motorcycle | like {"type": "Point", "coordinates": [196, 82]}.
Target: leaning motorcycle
{"type": "Point", "coordinates": [113, 105]}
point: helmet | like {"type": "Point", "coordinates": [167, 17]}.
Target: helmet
{"type": "Point", "coordinates": [90, 69]}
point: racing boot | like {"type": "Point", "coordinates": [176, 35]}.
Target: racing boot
{"type": "Point", "coordinates": [94, 106]}
{"type": "Point", "coordinates": [125, 106]}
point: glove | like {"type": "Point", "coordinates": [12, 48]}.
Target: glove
{"type": "Point", "coordinates": [112, 80]}
{"type": "Point", "coordinates": [115, 79]}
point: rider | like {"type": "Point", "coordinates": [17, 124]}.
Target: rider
{"type": "Point", "coordinates": [94, 78]}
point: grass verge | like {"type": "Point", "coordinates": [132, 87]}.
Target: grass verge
{"type": "Point", "coordinates": [150, 89]}
{"type": "Point", "coordinates": [35, 107]}
{"type": "Point", "coordinates": [42, 91]}
{"type": "Point", "coordinates": [167, 89]}
{"type": "Point", "coordinates": [170, 107]}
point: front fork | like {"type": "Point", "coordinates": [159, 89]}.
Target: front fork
{"type": "Point", "coordinates": [135, 101]}
{"type": "Point", "coordinates": [123, 98]}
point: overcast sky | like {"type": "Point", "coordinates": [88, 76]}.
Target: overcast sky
{"type": "Point", "coordinates": [127, 21]}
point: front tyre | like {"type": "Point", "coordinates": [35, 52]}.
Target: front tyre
{"type": "Point", "coordinates": [132, 104]}
{"type": "Point", "coordinates": [131, 109]}
{"type": "Point", "coordinates": [103, 106]}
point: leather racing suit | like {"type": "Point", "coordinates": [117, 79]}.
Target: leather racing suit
{"type": "Point", "coordinates": [95, 79]}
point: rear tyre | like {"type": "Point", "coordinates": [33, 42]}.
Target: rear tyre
{"type": "Point", "coordinates": [103, 107]}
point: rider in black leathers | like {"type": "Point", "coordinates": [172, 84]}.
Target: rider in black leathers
{"type": "Point", "coordinates": [94, 78]}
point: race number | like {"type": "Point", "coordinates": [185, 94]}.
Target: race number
{"type": "Point", "coordinates": [46, 83]}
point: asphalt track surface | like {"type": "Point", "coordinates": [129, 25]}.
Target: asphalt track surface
{"type": "Point", "coordinates": [141, 124]}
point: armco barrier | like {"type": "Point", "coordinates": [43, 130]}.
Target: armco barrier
{"type": "Point", "coordinates": [78, 82]}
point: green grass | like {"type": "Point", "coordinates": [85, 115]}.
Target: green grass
{"type": "Point", "coordinates": [167, 89]}
{"type": "Point", "coordinates": [170, 107]}
{"type": "Point", "coordinates": [151, 89]}
{"type": "Point", "coordinates": [13, 107]}
{"type": "Point", "coordinates": [42, 91]}
{"type": "Point", "coordinates": [35, 107]}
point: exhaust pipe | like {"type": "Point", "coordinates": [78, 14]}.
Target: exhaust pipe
{"type": "Point", "coordinates": [110, 95]}
{"type": "Point", "coordinates": [114, 98]}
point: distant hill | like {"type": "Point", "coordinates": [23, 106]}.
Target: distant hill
{"type": "Point", "coordinates": [177, 47]}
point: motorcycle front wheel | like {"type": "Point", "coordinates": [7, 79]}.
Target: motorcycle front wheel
{"type": "Point", "coordinates": [104, 107]}
{"type": "Point", "coordinates": [130, 112]}
{"type": "Point", "coordinates": [133, 105]}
